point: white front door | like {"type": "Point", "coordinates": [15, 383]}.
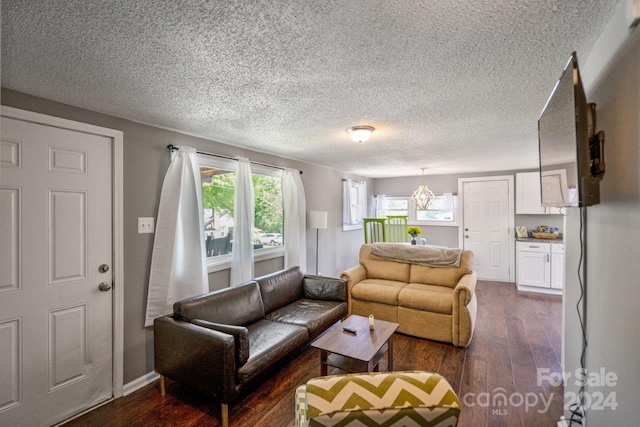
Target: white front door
{"type": "Point", "coordinates": [56, 324]}
{"type": "Point", "coordinates": [486, 227]}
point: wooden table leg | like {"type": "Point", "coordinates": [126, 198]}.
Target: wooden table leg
{"type": "Point", "coordinates": [370, 367]}
{"type": "Point", "coordinates": [163, 387]}
{"type": "Point", "coordinates": [390, 354]}
{"type": "Point", "coordinates": [323, 363]}
{"type": "Point", "coordinates": [224, 414]}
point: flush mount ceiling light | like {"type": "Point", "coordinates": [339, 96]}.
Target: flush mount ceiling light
{"type": "Point", "coordinates": [423, 197]}
{"type": "Point", "coordinates": [360, 133]}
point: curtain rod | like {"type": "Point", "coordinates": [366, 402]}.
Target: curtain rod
{"type": "Point", "coordinates": [353, 180]}
{"type": "Point", "coordinates": [409, 195]}
{"type": "Point", "coordinates": [173, 148]}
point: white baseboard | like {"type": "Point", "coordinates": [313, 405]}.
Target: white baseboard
{"type": "Point", "coordinates": [138, 383]}
{"type": "Point", "coordinates": [538, 290]}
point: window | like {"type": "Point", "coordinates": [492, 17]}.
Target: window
{"type": "Point", "coordinates": [269, 211]}
{"type": "Point", "coordinates": [218, 194]}
{"type": "Point", "coordinates": [218, 187]}
{"type": "Point", "coordinates": [386, 206]}
{"type": "Point", "coordinates": [354, 204]}
{"type": "Point", "coordinates": [441, 212]}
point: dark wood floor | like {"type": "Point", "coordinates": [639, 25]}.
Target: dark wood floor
{"type": "Point", "coordinates": [516, 334]}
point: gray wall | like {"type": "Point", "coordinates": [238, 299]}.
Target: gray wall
{"type": "Point", "coordinates": [326, 186]}
{"type": "Point", "coordinates": [613, 270]}
{"type": "Point", "coordinates": [402, 186]}
{"type": "Point", "coordinates": [533, 221]}
{"type": "Point", "coordinates": [447, 235]}
{"type": "Point", "coordinates": [145, 162]}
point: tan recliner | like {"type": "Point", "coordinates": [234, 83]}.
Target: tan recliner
{"type": "Point", "coordinates": [428, 302]}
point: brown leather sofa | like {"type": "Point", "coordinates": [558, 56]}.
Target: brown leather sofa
{"type": "Point", "coordinates": [221, 342]}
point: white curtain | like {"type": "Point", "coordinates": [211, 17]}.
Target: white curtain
{"type": "Point", "coordinates": [348, 202]}
{"type": "Point", "coordinates": [178, 262]}
{"type": "Point", "coordinates": [242, 252]}
{"type": "Point", "coordinates": [449, 203]}
{"type": "Point", "coordinates": [295, 234]}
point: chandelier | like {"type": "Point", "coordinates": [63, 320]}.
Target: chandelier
{"type": "Point", "coordinates": [423, 197]}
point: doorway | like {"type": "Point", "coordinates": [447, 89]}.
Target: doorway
{"type": "Point", "coordinates": [60, 269]}
{"type": "Point", "coordinates": [488, 224]}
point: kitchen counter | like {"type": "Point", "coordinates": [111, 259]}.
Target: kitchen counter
{"type": "Point", "coordinates": [533, 239]}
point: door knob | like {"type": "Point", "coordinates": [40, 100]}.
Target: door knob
{"type": "Point", "coordinates": [103, 268]}
{"type": "Point", "coordinates": [104, 287]}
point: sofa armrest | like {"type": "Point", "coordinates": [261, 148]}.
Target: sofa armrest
{"type": "Point", "coordinates": [353, 275]}
{"type": "Point", "coordinates": [465, 307]}
{"type": "Point", "coordinates": [240, 336]}
{"type": "Point", "coordinates": [466, 288]}
{"type": "Point", "coordinates": [324, 288]}
{"type": "Point", "coordinates": [196, 356]}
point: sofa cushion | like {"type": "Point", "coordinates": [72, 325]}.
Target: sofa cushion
{"type": "Point", "coordinates": [448, 276]}
{"type": "Point", "coordinates": [240, 305]}
{"type": "Point", "coordinates": [268, 342]}
{"type": "Point", "coordinates": [324, 288]}
{"type": "Point", "coordinates": [380, 268]}
{"type": "Point", "coordinates": [377, 290]}
{"type": "Point", "coordinates": [314, 315]}
{"type": "Point", "coordinates": [280, 288]}
{"type": "Point", "coordinates": [433, 298]}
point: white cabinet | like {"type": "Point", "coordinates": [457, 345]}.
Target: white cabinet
{"type": "Point", "coordinates": [557, 266]}
{"type": "Point", "coordinates": [528, 200]}
{"type": "Point", "coordinates": [540, 266]}
{"type": "Point", "coordinates": [534, 265]}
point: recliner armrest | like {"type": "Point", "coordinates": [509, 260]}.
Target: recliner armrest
{"type": "Point", "coordinates": [465, 307]}
{"type": "Point", "coordinates": [353, 275]}
{"type": "Point", "coordinates": [324, 288]}
{"type": "Point", "coordinates": [467, 286]}
{"type": "Point", "coordinates": [240, 336]}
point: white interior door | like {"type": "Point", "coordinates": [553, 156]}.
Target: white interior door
{"type": "Point", "coordinates": [55, 232]}
{"type": "Point", "coordinates": [486, 227]}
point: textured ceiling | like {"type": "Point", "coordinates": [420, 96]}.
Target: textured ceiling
{"type": "Point", "coordinates": [454, 86]}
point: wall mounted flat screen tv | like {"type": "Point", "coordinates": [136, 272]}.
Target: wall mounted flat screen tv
{"type": "Point", "coordinates": [565, 128]}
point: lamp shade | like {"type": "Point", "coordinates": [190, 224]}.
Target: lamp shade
{"type": "Point", "coordinates": [360, 133]}
{"type": "Point", "coordinates": [317, 219]}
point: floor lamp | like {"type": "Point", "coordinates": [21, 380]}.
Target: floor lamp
{"type": "Point", "coordinates": [317, 220]}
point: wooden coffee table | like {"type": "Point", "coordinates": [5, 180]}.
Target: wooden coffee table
{"type": "Point", "coordinates": [359, 352]}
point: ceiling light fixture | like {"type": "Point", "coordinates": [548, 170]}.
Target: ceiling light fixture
{"type": "Point", "coordinates": [423, 197]}
{"type": "Point", "coordinates": [360, 133]}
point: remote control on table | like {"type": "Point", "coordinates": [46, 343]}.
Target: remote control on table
{"type": "Point", "coordinates": [353, 331]}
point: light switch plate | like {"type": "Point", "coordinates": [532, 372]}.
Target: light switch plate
{"type": "Point", "coordinates": [146, 225]}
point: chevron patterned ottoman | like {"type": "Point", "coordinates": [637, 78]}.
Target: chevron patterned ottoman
{"type": "Point", "coordinates": [377, 399]}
